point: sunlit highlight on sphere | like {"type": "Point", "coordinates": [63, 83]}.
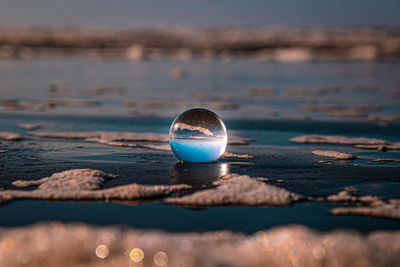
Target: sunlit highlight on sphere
{"type": "Point", "coordinates": [136, 255]}
{"type": "Point", "coordinates": [198, 135]}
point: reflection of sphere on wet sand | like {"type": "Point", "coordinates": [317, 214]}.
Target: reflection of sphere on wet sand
{"type": "Point", "coordinates": [197, 175]}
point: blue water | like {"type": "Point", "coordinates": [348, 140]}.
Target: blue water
{"type": "Point", "coordinates": [190, 150]}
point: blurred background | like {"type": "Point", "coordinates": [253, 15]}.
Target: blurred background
{"type": "Point", "coordinates": [119, 14]}
{"type": "Point", "coordinates": [335, 60]}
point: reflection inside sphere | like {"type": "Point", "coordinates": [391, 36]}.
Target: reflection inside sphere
{"type": "Point", "coordinates": [198, 135]}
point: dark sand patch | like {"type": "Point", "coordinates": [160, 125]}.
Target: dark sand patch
{"type": "Point", "coordinates": [83, 245]}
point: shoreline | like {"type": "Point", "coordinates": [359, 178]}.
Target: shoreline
{"type": "Point", "coordinates": [282, 44]}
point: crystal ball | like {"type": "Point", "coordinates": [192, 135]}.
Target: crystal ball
{"type": "Point", "coordinates": [198, 135]}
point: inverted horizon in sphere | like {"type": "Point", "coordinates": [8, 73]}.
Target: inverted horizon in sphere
{"type": "Point", "coordinates": [198, 135]}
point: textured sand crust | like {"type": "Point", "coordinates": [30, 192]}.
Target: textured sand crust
{"type": "Point", "coordinates": [383, 209]}
{"type": "Point", "coordinates": [102, 135]}
{"type": "Point", "coordinates": [237, 156]}
{"type": "Point", "coordinates": [386, 210]}
{"type": "Point", "coordinates": [10, 136]}
{"type": "Point", "coordinates": [346, 196]}
{"type": "Point", "coordinates": [121, 136]}
{"type": "Point", "coordinates": [118, 138]}
{"type": "Point", "coordinates": [79, 179]}
{"type": "Point", "coordinates": [231, 189]}
{"type": "Point", "coordinates": [333, 154]}
{"type": "Point", "coordinates": [84, 184]}
{"type": "Point", "coordinates": [357, 142]}
{"type": "Point", "coordinates": [338, 140]}
{"type": "Point", "coordinates": [239, 190]}
{"type": "Point", "coordinates": [384, 160]}
{"type": "Point", "coordinates": [366, 205]}
{"type": "Point", "coordinates": [56, 244]}
{"type": "Point", "coordinates": [116, 143]}
{"type": "Point", "coordinates": [29, 126]}
{"type": "Point", "coordinates": [393, 146]}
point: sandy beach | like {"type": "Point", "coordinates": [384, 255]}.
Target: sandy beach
{"type": "Point", "coordinates": [335, 171]}
{"type": "Point", "coordinates": [311, 106]}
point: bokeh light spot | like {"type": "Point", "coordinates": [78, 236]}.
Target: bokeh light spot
{"type": "Point", "coordinates": [160, 258]}
{"type": "Point", "coordinates": [102, 251]}
{"type": "Point", "coordinates": [136, 255]}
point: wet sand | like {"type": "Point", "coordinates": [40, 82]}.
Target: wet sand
{"type": "Point", "coordinates": [287, 184]}
{"type": "Point", "coordinates": [291, 166]}
{"type": "Point", "coordinates": [74, 153]}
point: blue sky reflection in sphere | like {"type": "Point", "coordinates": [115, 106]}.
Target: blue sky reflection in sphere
{"type": "Point", "coordinates": [198, 135]}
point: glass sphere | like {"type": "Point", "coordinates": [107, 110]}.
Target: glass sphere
{"type": "Point", "coordinates": [198, 135]}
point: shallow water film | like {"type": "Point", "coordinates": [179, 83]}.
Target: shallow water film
{"type": "Point", "coordinates": [113, 151]}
